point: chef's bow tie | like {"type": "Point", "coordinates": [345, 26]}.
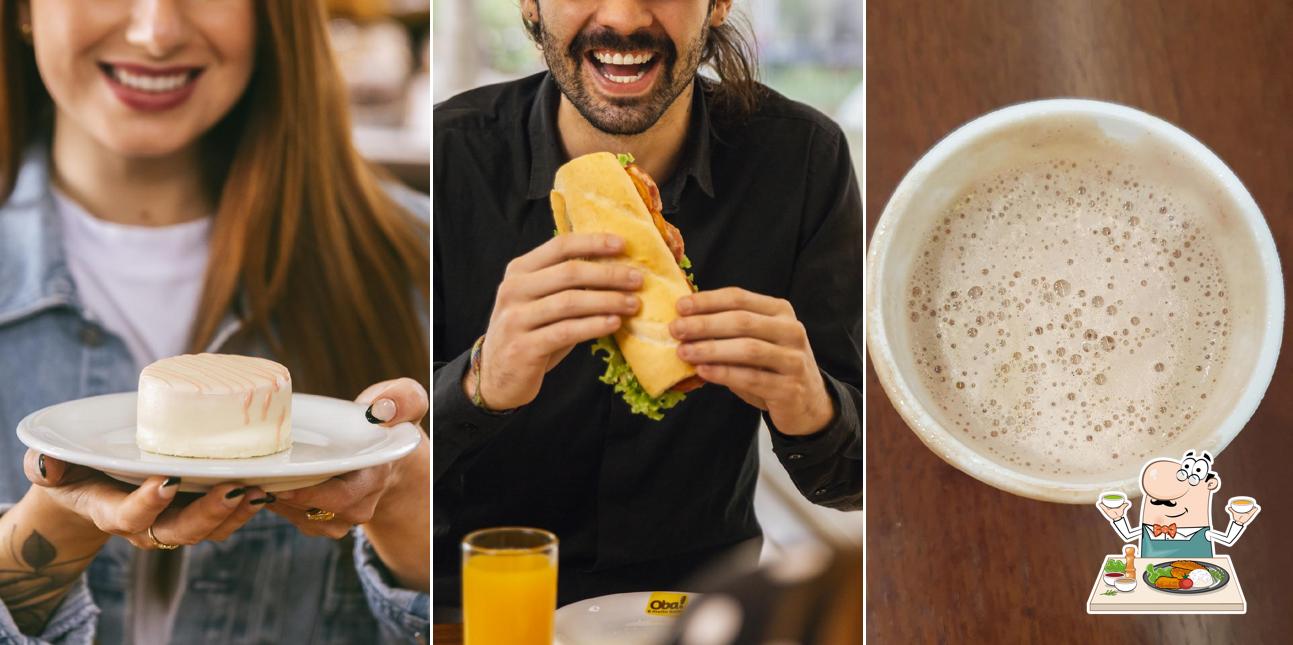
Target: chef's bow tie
{"type": "Point", "coordinates": [1169, 529]}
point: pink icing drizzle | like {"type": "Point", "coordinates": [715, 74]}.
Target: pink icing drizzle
{"type": "Point", "coordinates": [217, 371]}
{"type": "Point", "coordinates": [246, 407]}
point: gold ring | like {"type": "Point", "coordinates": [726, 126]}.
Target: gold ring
{"type": "Point", "coordinates": [160, 544]}
{"type": "Point", "coordinates": [319, 515]}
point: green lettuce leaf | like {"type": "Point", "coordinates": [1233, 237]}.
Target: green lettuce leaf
{"type": "Point", "coordinates": [619, 374]}
{"type": "Point", "coordinates": [625, 159]}
{"type": "Point", "coordinates": [685, 264]}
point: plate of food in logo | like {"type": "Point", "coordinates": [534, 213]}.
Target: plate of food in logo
{"type": "Point", "coordinates": [1185, 577]}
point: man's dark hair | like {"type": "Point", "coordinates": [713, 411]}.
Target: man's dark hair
{"type": "Point", "coordinates": [729, 51]}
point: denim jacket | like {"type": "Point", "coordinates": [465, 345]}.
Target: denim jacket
{"type": "Point", "coordinates": [268, 583]}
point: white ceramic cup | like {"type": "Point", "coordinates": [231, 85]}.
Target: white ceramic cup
{"type": "Point", "coordinates": [1112, 503]}
{"type": "Point", "coordinates": [1248, 259]}
{"type": "Point", "coordinates": [1242, 504]}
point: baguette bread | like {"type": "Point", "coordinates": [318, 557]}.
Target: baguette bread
{"type": "Point", "coordinates": [594, 194]}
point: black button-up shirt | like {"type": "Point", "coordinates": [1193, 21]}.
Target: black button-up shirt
{"type": "Point", "coordinates": [770, 205]}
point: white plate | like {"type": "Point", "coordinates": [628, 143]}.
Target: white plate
{"type": "Point", "coordinates": [329, 437]}
{"type": "Point", "coordinates": [620, 618]}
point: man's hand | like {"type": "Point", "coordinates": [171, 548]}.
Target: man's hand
{"type": "Point", "coordinates": [549, 301]}
{"type": "Point", "coordinates": [754, 345]}
{"type": "Point", "coordinates": [1114, 514]}
{"type": "Point", "coordinates": [1243, 518]}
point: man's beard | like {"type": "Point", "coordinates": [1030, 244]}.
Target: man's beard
{"type": "Point", "coordinates": [622, 116]}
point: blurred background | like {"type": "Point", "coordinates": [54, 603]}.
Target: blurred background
{"type": "Point", "coordinates": [809, 50]}
{"type": "Point", "coordinates": [383, 48]}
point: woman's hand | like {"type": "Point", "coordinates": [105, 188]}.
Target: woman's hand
{"type": "Point", "coordinates": [391, 500]}
{"type": "Point", "coordinates": [50, 536]}
{"type": "Point", "coordinates": [114, 508]}
{"type": "Point", "coordinates": [756, 346]}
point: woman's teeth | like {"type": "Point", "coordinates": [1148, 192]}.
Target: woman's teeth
{"type": "Point", "coordinates": [154, 84]}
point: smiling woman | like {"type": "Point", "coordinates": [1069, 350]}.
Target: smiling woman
{"type": "Point", "coordinates": [177, 177]}
{"type": "Point", "coordinates": [268, 142]}
{"type": "Point", "coordinates": [130, 89]}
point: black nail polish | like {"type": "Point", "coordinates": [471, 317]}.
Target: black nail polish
{"type": "Point", "coordinates": [369, 414]}
{"type": "Point", "coordinates": [267, 499]}
{"type": "Point", "coordinates": [40, 464]}
{"type": "Point", "coordinates": [170, 481]}
{"type": "Point", "coordinates": [237, 492]}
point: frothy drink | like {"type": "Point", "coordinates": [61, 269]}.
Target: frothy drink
{"type": "Point", "coordinates": [1069, 312]}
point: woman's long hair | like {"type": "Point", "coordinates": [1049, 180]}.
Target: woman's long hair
{"type": "Point", "coordinates": [306, 245]}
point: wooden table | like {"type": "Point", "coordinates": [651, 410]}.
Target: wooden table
{"type": "Point", "coordinates": [1226, 599]}
{"type": "Point", "coordinates": [934, 535]}
{"type": "Point", "coordinates": [447, 634]}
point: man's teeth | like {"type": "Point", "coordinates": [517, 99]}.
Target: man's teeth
{"type": "Point", "coordinates": [156, 84]}
{"type": "Point", "coordinates": [623, 79]}
{"type": "Point", "coordinates": [617, 58]}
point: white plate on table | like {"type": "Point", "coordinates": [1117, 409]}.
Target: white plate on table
{"type": "Point", "coordinates": [621, 618]}
{"type": "Point", "coordinates": [329, 437]}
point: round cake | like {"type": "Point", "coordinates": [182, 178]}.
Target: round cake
{"type": "Point", "coordinates": [214, 406]}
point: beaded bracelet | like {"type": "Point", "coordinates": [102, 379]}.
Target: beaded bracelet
{"type": "Point", "coordinates": [476, 399]}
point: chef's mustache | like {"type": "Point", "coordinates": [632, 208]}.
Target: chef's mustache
{"type": "Point", "coordinates": [1163, 502]}
{"type": "Point", "coordinates": [640, 40]}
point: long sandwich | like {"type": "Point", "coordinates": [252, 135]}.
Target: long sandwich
{"type": "Point", "coordinates": [606, 193]}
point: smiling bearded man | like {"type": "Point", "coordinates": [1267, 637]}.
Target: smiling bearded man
{"type": "Point", "coordinates": [632, 94]}
{"type": "Point", "coordinates": [761, 187]}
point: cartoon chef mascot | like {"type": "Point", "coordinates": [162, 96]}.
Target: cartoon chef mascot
{"type": "Point", "coordinates": [1176, 518]}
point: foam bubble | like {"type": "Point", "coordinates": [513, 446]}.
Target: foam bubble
{"type": "Point", "coordinates": [1057, 365]}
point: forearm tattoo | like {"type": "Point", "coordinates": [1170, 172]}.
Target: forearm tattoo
{"type": "Point", "coordinates": [32, 578]}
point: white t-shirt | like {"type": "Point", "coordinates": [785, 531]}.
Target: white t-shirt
{"type": "Point", "coordinates": [141, 283]}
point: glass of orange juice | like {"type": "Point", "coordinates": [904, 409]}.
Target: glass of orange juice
{"type": "Point", "coordinates": [509, 586]}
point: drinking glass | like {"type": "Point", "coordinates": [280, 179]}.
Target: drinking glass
{"type": "Point", "coordinates": [509, 586]}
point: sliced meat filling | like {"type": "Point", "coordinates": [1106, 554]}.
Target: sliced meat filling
{"type": "Point", "coordinates": [650, 194]}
